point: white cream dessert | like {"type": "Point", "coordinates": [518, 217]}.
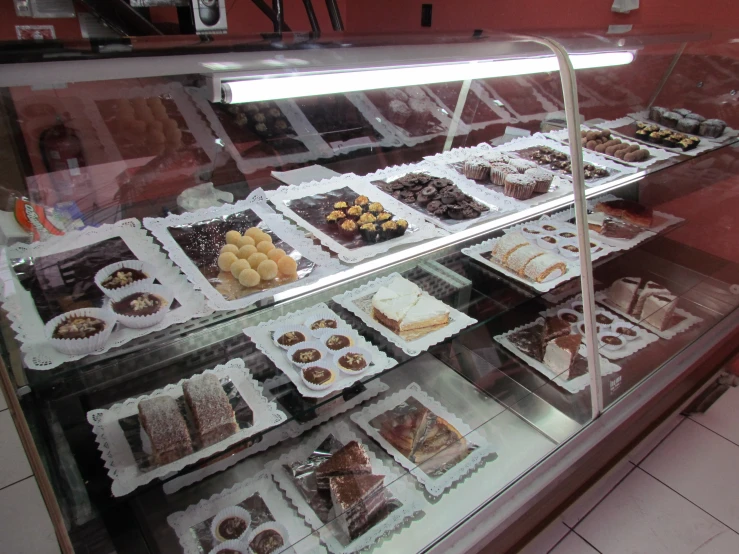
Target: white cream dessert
{"type": "Point", "coordinates": [507, 244]}
{"type": "Point", "coordinates": [624, 293]}
{"type": "Point", "coordinates": [649, 289]}
{"type": "Point", "coordinates": [517, 261]}
{"type": "Point", "coordinates": [659, 309]}
{"type": "Point", "coordinates": [426, 312]}
{"type": "Point", "coordinates": [401, 307]}
{"type": "Point", "coordinates": [560, 353]}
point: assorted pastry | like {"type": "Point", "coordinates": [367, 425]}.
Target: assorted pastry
{"type": "Point", "coordinates": [438, 196]}
{"type": "Point", "coordinates": [665, 137]}
{"type": "Point", "coordinates": [367, 219]}
{"type": "Point", "coordinates": [556, 160]}
{"type": "Point", "coordinates": [604, 143]}
{"type": "Point", "coordinates": [404, 308]}
{"type": "Point", "coordinates": [686, 121]}
{"type": "Point", "coordinates": [518, 254]}
{"type": "Point", "coordinates": [648, 301]}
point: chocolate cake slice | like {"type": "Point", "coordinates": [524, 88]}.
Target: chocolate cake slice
{"type": "Point", "coordinates": [211, 410]}
{"type": "Point", "coordinates": [166, 428]}
{"type": "Point", "coordinates": [633, 212]}
{"type": "Point", "coordinates": [356, 498]}
{"type": "Point", "coordinates": [352, 459]}
{"type": "Point", "coordinates": [554, 327]}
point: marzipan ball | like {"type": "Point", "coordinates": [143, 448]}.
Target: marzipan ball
{"type": "Point", "coordinates": [225, 260]}
{"type": "Point", "coordinates": [253, 232]}
{"type": "Point", "coordinates": [256, 259]}
{"type": "Point", "coordinates": [287, 266]}
{"type": "Point", "coordinates": [238, 266]}
{"type": "Point", "coordinates": [249, 278]}
{"type": "Point", "coordinates": [232, 237]}
{"type": "Point", "coordinates": [246, 241]}
{"type": "Point", "coordinates": [276, 253]}
{"type": "Point", "coordinates": [267, 270]}
{"type": "Point", "coordinates": [263, 237]}
{"type": "Point", "coordinates": [230, 248]}
{"type": "Point", "coordinates": [264, 247]}
{"type": "Point", "coordinates": [246, 251]}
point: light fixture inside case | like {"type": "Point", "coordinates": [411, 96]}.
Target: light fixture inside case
{"type": "Point", "coordinates": [235, 90]}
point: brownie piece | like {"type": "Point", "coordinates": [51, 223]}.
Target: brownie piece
{"type": "Point", "coordinates": [166, 428]}
{"type": "Point", "coordinates": [210, 408]}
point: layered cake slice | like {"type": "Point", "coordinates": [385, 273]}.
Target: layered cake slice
{"type": "Point", "coordinates": [391, 303]}
{"type": "Point", "coordinates": [426, 312]}
{"type": "Point", "coordinates": [404, 432]}
{"type": "Point", "coordinates": [441, 444]}
{"type": "Point", "coordinates": [166, 428]}
{"type": "Point", "coordinates": [633, 212]}
{"type": "Point", "coordinates": [214, 417]}
{"type": "Point", "coordinates": [596, 221]}
{"type": "Point", "coordinates": [517, 261]}
{"type": "Point", "coordinates": [356, 499]}
{"type": "Point", "coordinates": [545, 268]}
{"type": "Point", "coordinates": [647, 290]}
{"type": "Point", "coordinates": [659, 309]}
{"type": "Point", "coordinates": [506, 245]}
{"type": "Point", "coordinates": [560, 353]}
{"type": "Point", "coordinates": [555, 327]}
{"type": "Point", "coordinates": [624, 293]}
{"type": "Point", "coordinates": [352, 459]}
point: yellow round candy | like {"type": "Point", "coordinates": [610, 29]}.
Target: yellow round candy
{"type": "Point", "coordinates": [287, 266]}
{"type": "Point", "coordinates": [249, 278]}
{"type": "Point", "coordinates": [264, 247]}
{"type": "Point", "coordinates": [225, 260]}
{"type": "Point", "coordinates": [253, 232]}
{"type": "Point", "coordinates": [246, 241]}
{"type": "Point", "coordinates": [238, 266]}
{"type": "Point", "coordinates": [246, 251]}
{"type": "Point", "coordinates": [275, 254]}
{"type": "Point", "coordinates": [267, 270]}
{"type": "Point", "coordinates": [256, 259]}
{"type": "Point", "coordinates": [230, 248]}
{"type": "Point", "coordinates": [232, 237]}
{"type": "Point", "coordinates": [263, 237]}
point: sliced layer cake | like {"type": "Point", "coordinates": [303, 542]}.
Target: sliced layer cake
{"type": "Point", "coordinates": [352, 459]}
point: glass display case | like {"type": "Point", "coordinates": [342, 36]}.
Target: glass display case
{"type": "Point", "coordinates": [357, 293]}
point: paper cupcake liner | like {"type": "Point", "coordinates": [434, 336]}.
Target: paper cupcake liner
{"type": "Point", "coordinates": [497, 176]}
{"type": "Point", "coordinates": [627, 338]}
{"type": "Point", "coordinates": [78, 347]}
{"type": "Point", "coordinates": [273, 525]}
{"type": "Point", "coordinates": [340, 330]}
{"type": "Point", "coordinates": [475, 169]}
{"type": "Point", "coordinates": [143, 321]}
{"type": "Point", "coordinates": [325, 356]}
{"type": "Point", "coordinates": [327, 364]}
{"type": "Point", "coordinates": [107, 271]}
{"type": "Point", "coordinates": [232, 511]}
{"type": "Point", "coordinates": [526, 231]}
{"type": "Point", "coordinates": [354, 350]}
{"type": "Point", "coordinates": [321, 314]}
{"type": "Point", "coordinates": [239, 546]}
{"type": "Point", "coordinates": [280, 330]}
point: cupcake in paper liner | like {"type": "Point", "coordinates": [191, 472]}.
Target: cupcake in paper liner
{"type": "Point", "coordinates": [286, 336]}
{"type": "Point", "coordinates": [320, 376]}
{"type": "Point", "coordinates": [308, 353]}
{"type": "Point", "coordinates": [80, 332]}
{"type": "Point", "coordinates": [337, 339]}
{"type": "Point", "coordinates": [229, 547]}
{"type": "Point", "coordinates": [476, 168]}
{"type": "Point", "coordinates": [231, 524]}
{"type": "Point", "coordinates": [116, 279]}
{"type": "Point", "coordinates": [270, 538]}
{"type": "Point", "coordinates": [320, 320]}
{"type": "Point", "coordinates": [145, 305]}
{"type": "Point", "coordinates": [353, 360]}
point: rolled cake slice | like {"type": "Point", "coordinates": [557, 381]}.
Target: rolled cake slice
{"type": "Point", "coordinates": [648, 290]}
{"type": "Point", "coordinates": [659, 309]}
{"type": "Point", "coordinates": [214, 417]}
{"type": "Point", "coordinates": [507, 244]}
{"type": "Point", "coordinates": [426, 312]}
{"type": "Point", "coordinates": [166, 428]}
{"type": "Point", "coordinates": [352, 459]}
{"type": "Point", "coordinates": [545, 268]}
{"type": "Point", "coordinates": [624, 293]}
{"type": "Point", "coordinates": [356, 499]}
{"type": "Point", "coordinates": [517, 261]}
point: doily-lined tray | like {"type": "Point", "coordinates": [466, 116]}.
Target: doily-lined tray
{"type": "Point", "coordinates": [685, 320]}
{"type": "Point", "coordinates": [578, 382]}
{"type": "Point", "coordinates": [359, 302]}
{"type": "Point", "coordinates": [643, 337]}
{"type": "Point", "coordinates": [45, 279]}
{"type": "Point", "coordinates": [309, 203]}
{"type": "Point", "coordinates": [729, 134]}
{"type": "Point", "coordinates": [194, 239]}
{"type": "Point", "coordinates": [453, 462]}
{"type": "Point", "coordinates": [125, 446]}
{"type": "Point", "coordinates": [262, 337]}
{"type": "Point", "coordinates": [264, 502]}
{"type": "Point", "coordinates": [497, 203]}
{"type": "Point", "coordinates": [295, 474]}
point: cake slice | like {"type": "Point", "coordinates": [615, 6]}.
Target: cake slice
{"type": "Point", "coordinates": [506, 245]}
{"type": "Point", "coordinates": [659, 309]}
{"type": "Point", "coordinates": [633, 212]}
{"type": "Point", "coordinates": [596, 221]}
{"type": "Point", "coordinates": [404, 432]}
{"type": "Point", "coordinates": [441, 443]}
{"type": "Point", "coordinates": [518, 260]}
{"type": "Point", "coordinates": [426, 312]}
{"type": "Point", "coordinates": [356, 499]}
{"type": "Point", "coordinates": [352, 459]}
{"type": "Point", "coordinates": [624, 293]}
{"type": "Point", "coordinates": [389, 308]}
{"type": "Point", "coordinates": [166, 428]}
{"type": "Point", "coordinates": [555, 327]}
{"type": "Point", "coordinates": [647, 290]}
{"type": "Point", "coordinates": [560, 353]}
{"type": "Point", "coordinates": [214, 417]}
{"type": "Point", "coordinates": [544, 268]}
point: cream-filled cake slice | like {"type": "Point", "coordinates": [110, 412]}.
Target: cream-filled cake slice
{"type": "Point", "coordinates": [624, 293]}
{"type": "Point", "coordinates": [649, 289]}
{"type": "Point", "coordinates": [560, 353]}
{"type": "Point", "coordinates": [426, 312]}
{"type": "Point", "coordinates": [658, 309]}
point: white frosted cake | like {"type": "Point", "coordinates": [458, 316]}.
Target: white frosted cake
{"type": "Point", "coordinates": [401, 306]}
{"type": "Point", "coordinates": [545, 268]}
{"type": "Point", "coordinates": [506, 245]}
{"type": "Point", "coordinates": [649, 289]}
{"type": "Point", "coordinates": [517, 261]}
{"type": "Point", "coordinates": [658, 310]}
{"type": "Point", "coordinates": [426, 312]}
{"type": "Point", "coordinates": [560, 353]}
{"type": "Point", "coordinates": [624, 293]}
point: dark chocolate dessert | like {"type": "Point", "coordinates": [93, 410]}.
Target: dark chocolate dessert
{"type": "Point", "coordinates": [123, 277]}
{"type": "Point", "coordinates": [80, 327]}
{"type": "Point", "coordinates": [290, 338]}
{"type": "Point", "coordinates": [603, 319]}
{"type": "Point", "coordinates": [231, 528]}
{"type": "Point", "coordinates": [352, 459]}
{"type": "Point", "coordinates": [337, 342]}
{"type": "Point", "coordinates": [613, 341]}
{"type": "Point", "coordinates": [626, 331]}
{"type": "Point", "coordinates": [266, 542]}
{"type": "Point", "coordinates": [353, 362]}
{"type": "Point", "coordinates": [317, 375]}
{"type": "Point", "coordinates": [570, 318]}
{"type": "Point", "coordinates": [138, 304]}
{"type": "Point", "coordinates": [306, 355]}
{"type": "Point", "coordinates": [323, 324]}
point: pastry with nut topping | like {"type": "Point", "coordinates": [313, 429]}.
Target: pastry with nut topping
{"type": "Point", "coordinates": [80, 327]}
{"type": "Point", "coordinates": [139, 304]}
{"type": "Point", "coordinates": [123, 277]}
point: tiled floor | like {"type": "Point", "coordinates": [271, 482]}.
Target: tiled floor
{"type": "Point", "coordinates": [676, 493]}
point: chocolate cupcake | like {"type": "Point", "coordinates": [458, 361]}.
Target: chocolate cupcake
{"type": "Point", "coordinates": [80, 331]}
{"type": "Point", "coordinates": [542, 178]}
{"type": "Point", "coordinates": [476, 169]}
{"type": "Point", "coordinates": [78, 327]}
{"type": "Point", "coordinates": [336, 340]}
{"type": "Point", "coordinates": [519, 186]}
{"type": "Point", "coordinates": [499, 171]}
{"type": "Point", "coordinates": [353, 360]}
{"type": "Point", "coordinates": [145, 306]}
{"type": "Point", "coordinates": [123, 277]}
{"type": "Point", "coordinates": [522, 165]}
{"type": "Point", "coordinates": [318, 377]}
{"type": "Point", "coordinates": [369, 232]}
{"type": "Point", "coordinates": [305, 355]}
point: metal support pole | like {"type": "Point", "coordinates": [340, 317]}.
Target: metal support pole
{"type": "Point", "coordinates": [335, 14]}
{"type": "Point", "coordinates": [315, 27]}
{"type": "Point", "coordinates": [279, 19]}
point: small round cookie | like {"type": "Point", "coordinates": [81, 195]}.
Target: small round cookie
{"type": "Point", "coordinates": [246, 241]}
{"type": "Point", "coordinates": [232, 237]}
{"type": "Point", "coordinates": [264, 247]}
{"type": "Point", "coordinates": [256, 259]}
{"type": "Point", "coordinates": [275, 254]}
{"type": "Point", "coordinates": [238, 266]}
{"type": "Point", "coordinates": [262, 237]}
{"type": "Point", "coordinates": [267, 270]}
{"type": "Point", "coordinates": [230, 248]}
{"type": "Point", "coordinates": [287, 265]}
{"type": "Point", "coordinates": [249, 278]}
{"type": "Point", "coordinates": [246, 251]}
{"type": "Point", "coordinates": [225, 260]}
{"type": "Point", "coordinates": [253, 232]}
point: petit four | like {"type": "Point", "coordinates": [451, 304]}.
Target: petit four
{"type": "Point", "coordinates": [337, 341]}
{"type": "Point", "coordinates": [266, 542]}
{"type": "Point", "coordinates": [318, 377]}
{"type": "Point", "coordinates": [291, 338]}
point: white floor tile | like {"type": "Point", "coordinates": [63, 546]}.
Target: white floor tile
{"type": "Point", "coordinates": [582, 506]}
{"type": "Point", "coordinates": [25, 526]}
{"type": "Point", "coordinates": [572, 544]}
{"type": "Point", "coordinates": [723, 415]}
{"type": "Point", "coordinates": [545, 540]}
{"type": "Point", "coordinates": [651, 441]}
{"type": "Point", "coordinates": [701, 466]}
{"type": "Point", "coordinates": [643, 516]}
{"type": "Point", "coordinates": [14, 465]}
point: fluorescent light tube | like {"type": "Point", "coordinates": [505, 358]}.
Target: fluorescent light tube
{"type": "Point", "coordinates": [312, 84]}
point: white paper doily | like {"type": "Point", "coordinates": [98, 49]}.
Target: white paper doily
{"type": "Point", "coordinates": [423, 232]}
{"type": "Point", "coordinates": [299, 534]}
{"type": "Point", "coordinates": [434, 485]}
{"type": "Point", "coordinates": [117, 454]}
{"type": "Point", "coordinates": [26, 322]}
{"type": "Point", "coordinates": [359, 302]}
{"type": "Point", "coordinates": [256, 202]}
{"type": "Point", "coordinates": [398, 487]}
{"type": "Point", "coordinates": [261, 336]}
